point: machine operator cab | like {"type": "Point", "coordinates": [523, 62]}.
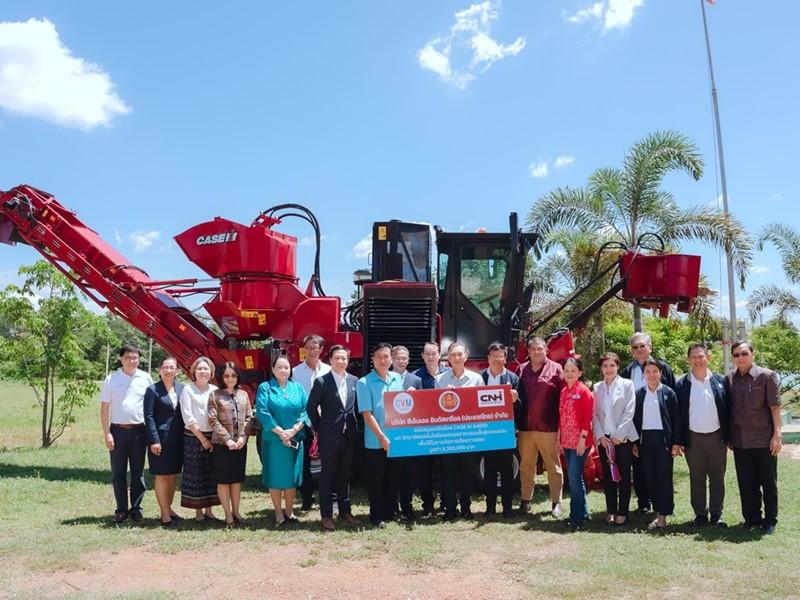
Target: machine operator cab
{"type": "Point", "coordinates": [478, 277]}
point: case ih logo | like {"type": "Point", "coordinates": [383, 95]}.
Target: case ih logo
{"type": "Point", "coordinates": [217, 238]}
{"type": "Point", "coordinates": [491, 398]}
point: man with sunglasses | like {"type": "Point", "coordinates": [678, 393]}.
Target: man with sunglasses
{"type": "Point", "coordinates": [642, 348]}
{"type": "Point", "coordinates": [755, 423]}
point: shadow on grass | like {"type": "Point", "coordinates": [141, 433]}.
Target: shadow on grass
{"type": "Point", "coordinates": [54, 473]}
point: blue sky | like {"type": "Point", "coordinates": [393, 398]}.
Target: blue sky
{"type": "Point", "coordinates": [149, 117]}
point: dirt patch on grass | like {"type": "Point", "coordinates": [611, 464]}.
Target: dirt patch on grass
{"type": "Point", "coordinates": [286, 571]}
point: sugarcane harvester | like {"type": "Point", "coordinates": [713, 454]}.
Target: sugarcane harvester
{"type": "Point", "coordinates": [422, 287]}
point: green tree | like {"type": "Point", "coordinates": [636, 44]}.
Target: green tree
{"type": "Point", "coordinates": [47, 328]}
{"type": "Point", "coordinates": [626, 203]}
{"type": "Point", "coordinates": [783, 300]}
{"type": "Point", "coordinates": [777, 347]}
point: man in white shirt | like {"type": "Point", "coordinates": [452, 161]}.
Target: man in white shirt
{"type": "Point", "coordinates": [122, 419]}
{"type": "Point", "coordinates": [703, 436]}
{"type": "Point", "coordinates": [458, 470]}
{"type": "Point", "coordinates": [311, 369]}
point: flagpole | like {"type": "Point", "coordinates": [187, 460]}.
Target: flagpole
{"type": "Point", "coordinates": [731, 286]}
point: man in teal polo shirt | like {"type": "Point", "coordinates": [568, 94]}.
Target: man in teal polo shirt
{"type": "Point", "coordinates": [382, 473]}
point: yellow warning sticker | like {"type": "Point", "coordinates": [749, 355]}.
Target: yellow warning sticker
{"type": "Point", "coordinates": [248, 362]}
{"type": "Point", "coordinates": [249, 314]}
{"type": "Point", "coordinates": [381, 232]}
{"type": "Point", "coordinates": [262, 319]}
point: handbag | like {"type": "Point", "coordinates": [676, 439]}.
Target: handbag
{"type": "Point", "coordinates": [313, 449]}
{"type": "Point", "coordinates": [611, 453]}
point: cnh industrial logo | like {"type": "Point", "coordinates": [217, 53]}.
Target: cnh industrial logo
{"type": "Point", "coordinates": [491, 398]}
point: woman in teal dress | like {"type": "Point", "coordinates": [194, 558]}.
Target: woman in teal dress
{"type": "Point", "coordinates": [281, 410]}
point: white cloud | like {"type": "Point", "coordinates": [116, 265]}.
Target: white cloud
{"type": "Point", "coordinates": [39, 77]}
{"type": "Point", "coordinates": [142, 240]}
{"type": "Point", "coordinates": [469, 48]}
{"type": "Point", "coordinates": [539, 168]}
{"type": "Point", "coordinates": [363, 248]}
{"type": "Point", "coordinates": [620, 13]}
{"type": "Point", "coordinates": [310, 240]}
{"type": "Point", "coordinates": [760, 269]}
{"type": "Point", "coordinates": [776, 197]}
{"type": "Point", "coordinates": [117, 237]}
{"type": "Point", "coordinates": [564, 160]}
{"type": "Point", "coordinates": [595, 11]}
{"type": "Point", "coordinates": [615, 14]}
{"type": "Point", "coordinates": [740, 304]}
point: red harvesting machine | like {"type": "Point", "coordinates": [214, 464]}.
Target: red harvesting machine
{"type": "Point", "coordinates": [424, 285]}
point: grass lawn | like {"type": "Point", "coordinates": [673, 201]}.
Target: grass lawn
{"type": "Point", "coordinates": [56, 540]}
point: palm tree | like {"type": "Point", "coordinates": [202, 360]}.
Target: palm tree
{"type": "Point", "coordinates": [783, 300]}
{"type": "Point", "coordinates": [626, 203]}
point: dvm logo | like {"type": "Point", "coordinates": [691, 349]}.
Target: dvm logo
{"type": "Point", "coordinates": [491, 398]}
{"type": "Point", "coordinates": [403, 403]}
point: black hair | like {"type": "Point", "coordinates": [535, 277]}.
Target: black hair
{"type": "Point", "coordinates": [220, 371]}
{"type": "Point", "coordinates": [380, 346]}
{"type": "Point", "coordinates": [128, 347]}
{"type": "Point", "coordinates": [494, 346]}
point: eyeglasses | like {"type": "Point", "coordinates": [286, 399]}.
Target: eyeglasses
{"type": "Point", "coordinates": [638, 346]}
{"type": "Point", "coordinates": [740, 354]}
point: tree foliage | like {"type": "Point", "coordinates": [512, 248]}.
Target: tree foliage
{"type": "Point", "coordinates": [47, 333]}
{"type": "Point", "coordinates": [624, 204]}
{"type": "Point", "coordinates": [784, 301]}
{"type": "Point", "coordinates": [777, 347]}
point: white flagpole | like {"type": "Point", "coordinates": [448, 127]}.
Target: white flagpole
{"type": "Point", "coordinates": [731, 334]}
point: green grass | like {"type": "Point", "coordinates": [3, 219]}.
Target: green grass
{"type": "Point", "coordinates": [55, 508]}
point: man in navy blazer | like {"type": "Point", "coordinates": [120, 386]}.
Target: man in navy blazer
{"type": "Point", "coordinates": [332, 411]}
{"type": "Point", "coordinates": [499, 461]}
{"type": "Point", "coordinates": [641, 349]}
{"type": "Point", "coordinates": [703, 406]}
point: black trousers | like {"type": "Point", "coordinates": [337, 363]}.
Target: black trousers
{"type": "Point", "coordinates": [337, 462]}
{"type": "Point", "coordinates": [406, 478]}
{"type": "Point", "coordinates": [498, 462]}
{"type": "Point", "coordinates": [383, 475]}
{"type": "Point", "coordinates": [757, 473]}
{"type": "Point", "coordinates": [425, 467]}
{"type": "Point", "coordinates": [458, 472]}
{"type": "Point", "coordinates": [656, 459]}
{"type": "Point", "coordinates": [618, 493]}
{"type": "Point", "coordinates": [307, 485]}
{"type": "Point", "coordinates": [640, 483]}
{"type": "Point", "coordinates": [130, 448]}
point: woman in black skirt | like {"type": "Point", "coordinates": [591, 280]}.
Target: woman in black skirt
{"type": "Point", "coordinates": [164, 424]}
{"type": "Point", "coordinates": [229, 414]}
{"type": "Point", "coordinates": [198, 490]}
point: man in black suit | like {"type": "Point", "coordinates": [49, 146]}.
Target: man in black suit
{"type": "Point", "coordinates": [499, 461]}
{"type": "Point", "coordinates": [406, 469]}
{"type": "Point", "coordinates": [642, 348]}
{"type": "Point", "coordinates": [703, 406]}
{"type": "Point", "coordinates": [332, 411]}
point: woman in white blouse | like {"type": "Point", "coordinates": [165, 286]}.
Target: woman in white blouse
{"type": "Point", "coordinates": [198, 488]}
{"type": "Point", "coordinates": [615, 434]}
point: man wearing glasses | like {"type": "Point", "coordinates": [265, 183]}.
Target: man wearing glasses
{"type": "Point", "coordinates": [755, 423]}
{"type": "Point", "coordinates": [642, 348]}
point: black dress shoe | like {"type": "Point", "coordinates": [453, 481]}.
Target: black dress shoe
{"type": "Point", "coordinates": [768, 529]}
{"type": "Point", "coordinates": [169, 524]}
{"type": "Point", "coordinates": [450, 516]}
{"type": "Point", "coordinates": [120, 517]}
{"type": "Point", "coordinates": [508, 513]}
{"type": "Point", "coordinates": [524, 507]}
{"type": "Point", "coordinates": [467, 514]}
{"type": "Point", "coordinates": [307, 504]}
{"type": "Point", "coordinates": [379, 524]}
{"type": "Point", "coordinates": [643, 510]}
{"type": "Point", "coordinates": [718, 522]}
{"type": "Point", "coordinates": [700, 521]}
{"type": "Point", "coordinates": [136, 515]}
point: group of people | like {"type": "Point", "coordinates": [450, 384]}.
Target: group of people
{"type": "Point", "coordinates": [638, 417]}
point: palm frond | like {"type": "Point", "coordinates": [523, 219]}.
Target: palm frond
{"type": "Point", "coordinates": [651, 158]}
{"type": "Point", "coordinates": [564, 207]}
{"type": "Point", "coordinates": [787, 240]}
{"type": "Point", "coordinates": [783, 301]}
